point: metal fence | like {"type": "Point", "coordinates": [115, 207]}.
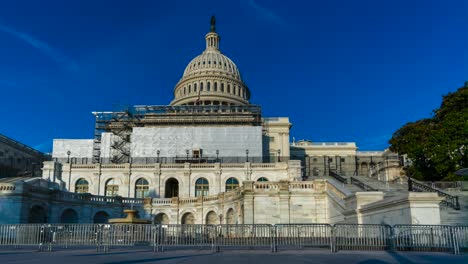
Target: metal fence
{"type": "Point", "coordinates": [104, 237]}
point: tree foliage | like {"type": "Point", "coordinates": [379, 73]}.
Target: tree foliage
{"type": "Point", "coordinates": [437, 146]}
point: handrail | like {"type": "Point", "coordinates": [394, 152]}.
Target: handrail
{"type": "Point", "coordinates": [362, 185]}
{"type": "Point", "coordinates": [449, 200]}
{"type": "Point", "coordinates": [338, 177]}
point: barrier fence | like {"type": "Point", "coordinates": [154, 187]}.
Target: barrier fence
{"type": "Point", "coordinates": [103, 237]}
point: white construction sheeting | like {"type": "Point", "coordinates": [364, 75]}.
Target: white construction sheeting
{"type": "Point", "coordinates": [79, 148]}
{"type": "Point", "coordinates": [231, 141]}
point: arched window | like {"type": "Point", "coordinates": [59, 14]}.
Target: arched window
{"type": "Point", "coordinates": [231, 184]}
{"type": "Point", "coordinates": [195, 87]}
{"type": "Point", "coordinates": [201, 86]}
{"type": "Point", "coordinates": [215, 86]}
{"type": "Point", "coordinates": [262, 179]}
{"type": "Point", "coordinates": [229, 88]}
{"type": "Point", "coordinates": [208, 86]}
{"type": "Point", "coordinates": [315, 171]}
{"type": "Point", "coordinates": [141, 188]}
{"type": "Point", "coordinates": [82, 186]}
{"type": "Point", "coordinates": [201, 187]}
{"type": "Point", "coordinates": [189, 89]}
{"type": "Point", "coordinates": [222, 87]}
{"type": "Point", "coordinates": [112, 189]}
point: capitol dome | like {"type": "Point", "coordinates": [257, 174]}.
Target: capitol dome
{"type": "Point", "coordinates": [211, 78]}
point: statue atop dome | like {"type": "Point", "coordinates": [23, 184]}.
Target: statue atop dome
{"type": "Point", "coordinates": [213, 24]}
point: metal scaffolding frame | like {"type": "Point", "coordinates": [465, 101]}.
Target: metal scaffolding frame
{"type": "Point", "coordinates": [121, 122]}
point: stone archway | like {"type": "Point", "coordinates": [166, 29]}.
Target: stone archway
{"type": "Point", "coordinates": [69, 216]}
{"type": "Point", "coordinates": [188, 219]}
{"type": "Point", "coordinates": [37, 215]}
{"type": "Point", "coordinates": [162, 219]}
{"type": "Point", "coordinates": [172, 188]}
{"type": "Point", "coordinates": [230, 218]}
{"type": "Point", "coordinates": [101, 217]}
{"type": "Point", "coordinates": [211, 218]}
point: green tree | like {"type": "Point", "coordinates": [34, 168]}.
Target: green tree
{"type": "Point", "coordinates": [437, 146]}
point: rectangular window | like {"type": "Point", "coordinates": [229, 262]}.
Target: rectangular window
{"type": "Point", "coordinates": [342, 159]}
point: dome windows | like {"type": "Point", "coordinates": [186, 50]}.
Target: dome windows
{"type": "Point", "coordinates": [208, 86]}
{"type": "Point", "coordinates": [215, 86]}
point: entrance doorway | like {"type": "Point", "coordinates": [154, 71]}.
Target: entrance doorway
{"type": "Point", "coordinates": [172, 188]}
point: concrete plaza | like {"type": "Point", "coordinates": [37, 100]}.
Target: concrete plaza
{"type": "Point", "coordinates": [139, 255]}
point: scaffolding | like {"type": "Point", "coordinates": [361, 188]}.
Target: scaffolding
{"type": "Point", "coordinates": [121, 122]}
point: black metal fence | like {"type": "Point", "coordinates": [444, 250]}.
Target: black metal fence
{"type": "Point", "coordinates": [103, 237]}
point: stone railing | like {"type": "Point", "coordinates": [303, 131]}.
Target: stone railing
{"type": "Point", "coordinates": [7, 187]}
{"type": "Point", "coordinates": [362, 185]}
{"type": "Point", "coordinates": [113, 166]}
{"type": "Point", "coordinates": [83, 166]}
{"type": "Point", "coordinates": [232, 165]}
{"type": "Point", "coordinates": [162, 201]}
{"type": "Point", "coordinates": [172, 166]}
{"type": "Point", "coordinates": [449, 200]}
{"type": "Point", "coordinates": [266, 186]}
{"type": "Point", "coordinates": [195, 166]}
{"type": "Point", "coordinates": [293, 186]}
{"type": "Point", "coordinates": [188, 200]}
{"type": "Point", "coordinates": [263, 165]}
{"type": "Point", "coordinates": [279, 164]}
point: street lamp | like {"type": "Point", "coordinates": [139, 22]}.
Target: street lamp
{"type": "Point", "coordinates": [247, 155]}
{"type": "Point", "coordinates": [157, 154]}
{"type": "Point", "coordinates": [68, 154]}
{"type": "Point", "coordinates": [279, 155]}
{"type": "Point", "coordinates": [217, 155]}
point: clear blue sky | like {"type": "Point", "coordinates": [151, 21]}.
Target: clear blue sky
{"type": "Point", "coordinates": [341, 70]}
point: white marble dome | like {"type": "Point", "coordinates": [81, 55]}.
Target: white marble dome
{"type": "Point", "coordinates": [211, 78]}
{"type": "Point", "coordinates": [212, 61]}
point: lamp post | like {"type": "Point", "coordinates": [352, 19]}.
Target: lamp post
{"type": "Point", "coordinates": [69, 171]}
{"type": "Point", "coordinates": [279, 155]}
{"type": "Point", "coordinates": [247, 155]}
{"type": "Point", "coordinates": [217, 155]}
{"type": "Point", "coordinates": [157, 154]}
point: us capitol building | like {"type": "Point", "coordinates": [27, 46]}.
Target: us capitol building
{"type": "Point", "coordinates": [210, 157]}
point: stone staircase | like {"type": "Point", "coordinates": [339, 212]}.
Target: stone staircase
{"type": "Point", "coordinates": [449, 216]}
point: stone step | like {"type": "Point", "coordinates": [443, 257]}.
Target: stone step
{"type": "Point", "coordinates": [450, 216]}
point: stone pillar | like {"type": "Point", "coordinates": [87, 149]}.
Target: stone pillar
{"type": "Point", "coordinates": [249, 203]}
{"type": "Point", "coordinates": [157, 179]}
{"type": "Point", "coordinates": [284, 203]}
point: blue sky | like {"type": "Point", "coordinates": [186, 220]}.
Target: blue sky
{"type": "Point", "coordinates": [341, 70]}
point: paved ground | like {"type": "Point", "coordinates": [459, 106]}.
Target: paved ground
{"type": "Point", "coordinates": [136, 256]}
